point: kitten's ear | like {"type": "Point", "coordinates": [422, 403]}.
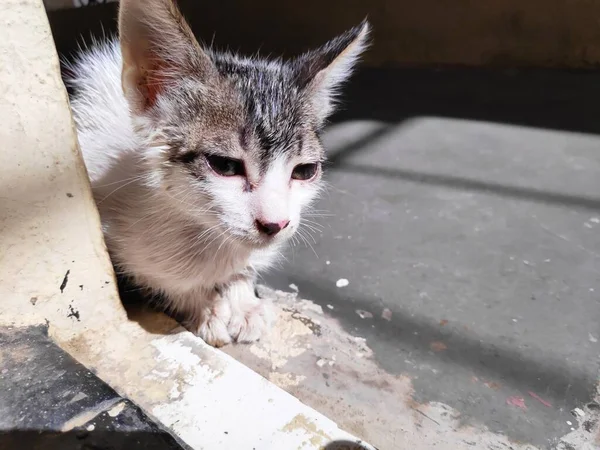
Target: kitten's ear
{"type": "Point", "coordinates": [321, 72]}
{"type": "Point", "coordinates": [158, 48]}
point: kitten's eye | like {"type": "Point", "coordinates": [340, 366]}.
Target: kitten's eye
{"type": "Point", "coordinates": [305, 171]}
{"type": "Point", "coordinates": [226, 167]}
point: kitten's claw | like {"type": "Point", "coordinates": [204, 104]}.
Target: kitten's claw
{"type": "Point", "coordinates": [214, 332]}
{"type": "Point", "coordinates": [212, 327]}
{"type": "Point", "coordinates": [251, 325]}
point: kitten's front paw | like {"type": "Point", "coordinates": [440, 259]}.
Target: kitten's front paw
{"type": "Point", "coordinates": [212, 325]}
{"type": "Point", "coordinates": [214, 332]}
{"type": "Point", "coordinates": [250, 325]}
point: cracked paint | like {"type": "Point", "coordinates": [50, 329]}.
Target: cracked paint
{"type": "Point", "coordinates": [284, 342]}
{"type": "Point", "coordinates": [307, 370]}
{"type": "Point", "coordinates": [302, 423]}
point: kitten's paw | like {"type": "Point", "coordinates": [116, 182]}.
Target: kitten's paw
{"type": "Point", "coordinates": [250, 325]}
{"type": "Point", "coordinates": [214, 332]}
{"type": "Point", "coordinates": [212, 326]}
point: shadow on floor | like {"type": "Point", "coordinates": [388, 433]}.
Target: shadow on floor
{"type": "Point", "coordinates": [465, 184]}
{"type": "Point", "coordinates": [563, 385]}
{"type": "Point", "coordinates": [86, 440]}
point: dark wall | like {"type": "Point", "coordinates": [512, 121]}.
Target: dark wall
{"type": "Point", "coordinates": [538, 33]}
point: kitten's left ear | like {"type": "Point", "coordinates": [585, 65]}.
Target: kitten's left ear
{"type": "Point", "coordinates": [321, 72]}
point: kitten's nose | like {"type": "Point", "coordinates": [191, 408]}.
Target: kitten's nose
{"type": "Point", "coordinates": [271, 228]}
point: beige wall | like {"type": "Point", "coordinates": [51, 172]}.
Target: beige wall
{"type": "Point", "coordinates": [563, 33]}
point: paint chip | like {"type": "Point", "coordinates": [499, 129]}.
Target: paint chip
{"type": "Point", "coordinates": [364, 314]}
{"type": "Point", "coordinates": [519, 402]}
{"type": "Point", "coordinates": [540, 399]}
{"type": "Point", "coordinates": [492, 385]}
{"type": "Point", "coordinates": [438, 346]}
{"type": "Point", "coordinates": [116, 410]}
{"type": "Point", "coordinates": [578, 412]}
{"type": "Point", "coordinates": [77, 397]}
{"type": "Point", "coordinates": [569, 423]}
{"type": "Point", "coordinates": [386, 314]}
{"type": "Point", "coordinates": [327, 262]}
{"type": "Point", "coordinates": [91, 427]}
{"type": "Point", "coordinates": [330, 306]}
{"type": "Point", "coordinates": [293, 287]}
{"type": "Point", "coordinates": [342, 282]}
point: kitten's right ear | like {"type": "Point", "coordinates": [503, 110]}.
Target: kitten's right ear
{"type": "Point", "coordinates": [321, 72]}
{"type": "Point", "coordinates": [158, 48]}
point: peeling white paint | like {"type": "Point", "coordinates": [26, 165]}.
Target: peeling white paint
{"type": "Point", "coordinates": [116, 410]}
{"type": "Point", "coordinates": [286, 380]}
{"type": "Point", "coordinates": [282, 343]}
{"type": "Point", "coordinates": [181, 361]}
{"type": "Point", "coordinates": [307, 305]}
{"type": "Point", "coordinates": [273, 423]}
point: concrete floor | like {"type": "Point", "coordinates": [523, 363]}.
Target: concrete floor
{"type": "Point", "coordinates": [465, 213]}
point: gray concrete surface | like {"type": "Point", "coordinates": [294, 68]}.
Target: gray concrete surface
{"type": "Point", "coordinates": [464, 209]}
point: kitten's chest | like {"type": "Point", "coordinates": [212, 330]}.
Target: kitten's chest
{"type": "Point", "coordinates": [227, 263]}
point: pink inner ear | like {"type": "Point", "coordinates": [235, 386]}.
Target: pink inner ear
{"type": "Point", "coordinates": [153, 81]}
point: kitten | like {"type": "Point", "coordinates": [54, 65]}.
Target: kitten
{"type": "Point", "coordinates": [201, 162]}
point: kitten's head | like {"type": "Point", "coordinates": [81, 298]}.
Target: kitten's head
{"type": "Point", "coordinates": [233, 142]}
